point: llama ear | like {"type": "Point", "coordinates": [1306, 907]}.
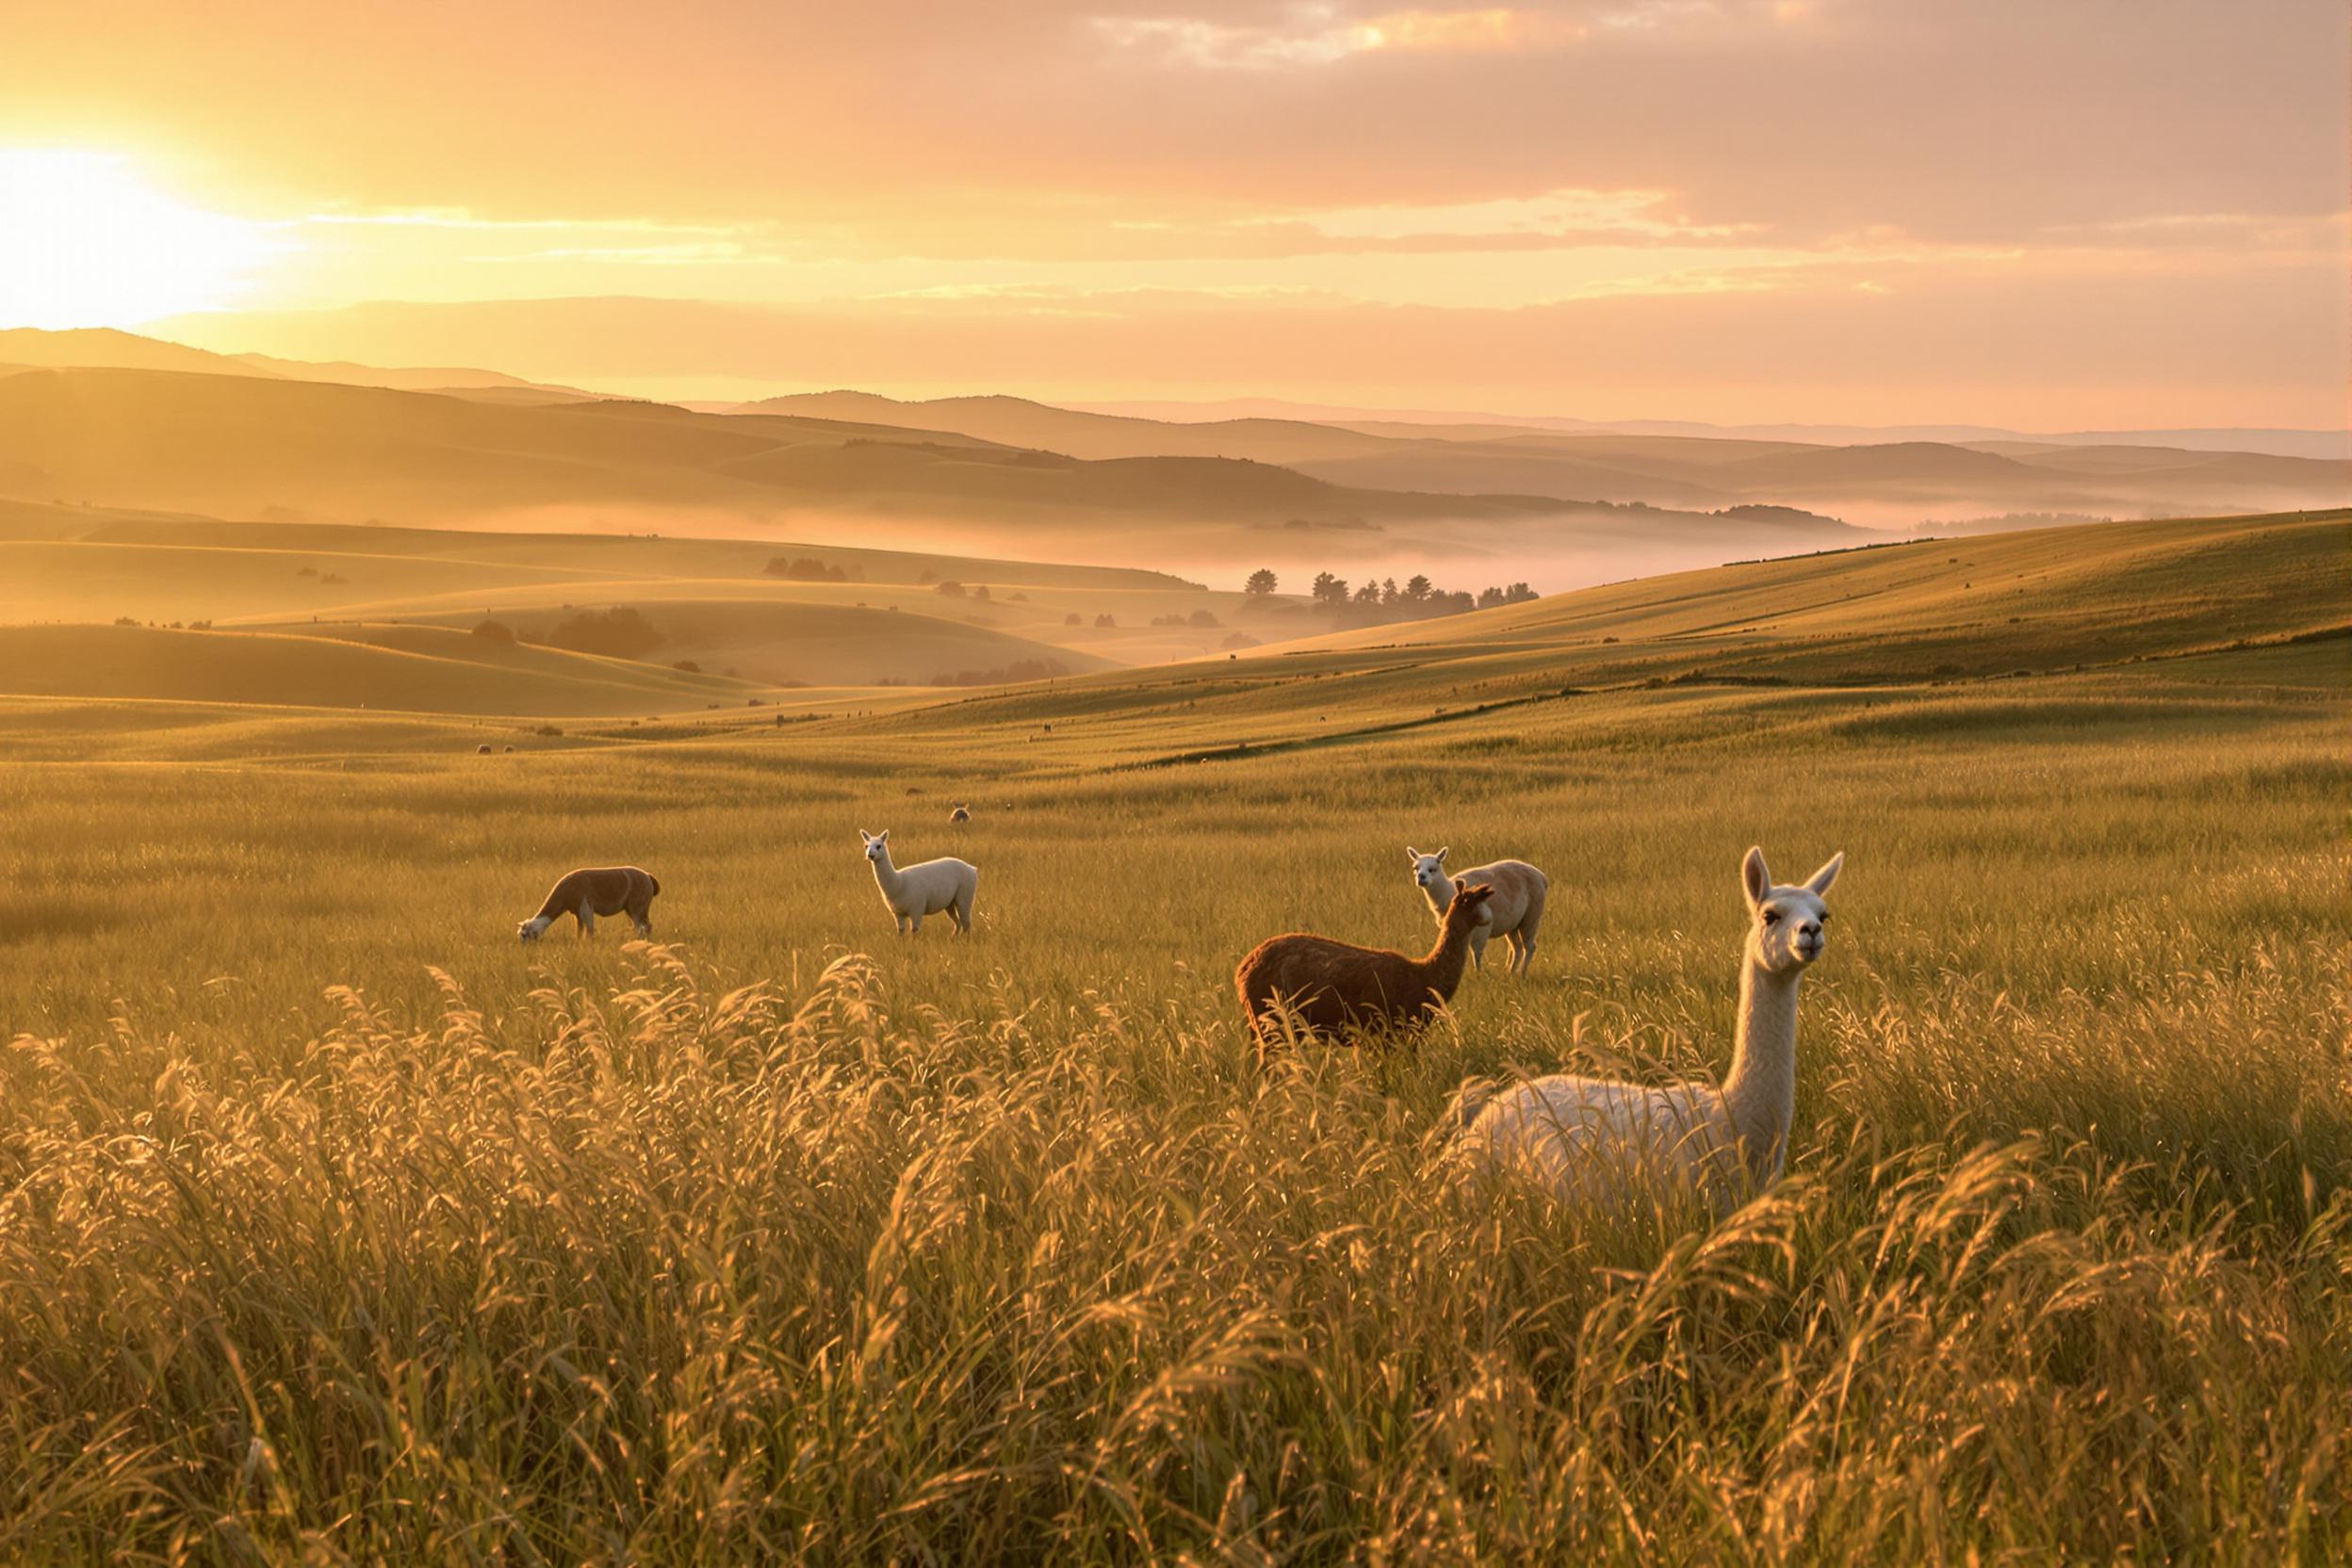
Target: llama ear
{"type": "Point", "coordinates": [864, 837]}
{"type": "Point", "coordinates": [1413, 855]}
{"type": "Point", "coordinates": [1756, 876]}
{"type": "Point", "coordinates": [1441, 854]}
{"type": "Point", "coordinates": [1818, 882]}
{"type": "Point", "coordinates": [1461, 887]}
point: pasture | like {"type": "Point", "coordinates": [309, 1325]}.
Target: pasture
{"type": "Point", "coordinates": [334, 1224]}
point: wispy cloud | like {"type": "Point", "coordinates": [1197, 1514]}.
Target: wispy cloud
{"type": "Point", "coordinates": [463, 219]}
{"type": "Point", "coordinates": [1646, 215]}
{"type": "Point", "coordinates": [1311, 35]}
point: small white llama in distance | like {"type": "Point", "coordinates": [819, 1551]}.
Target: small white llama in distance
{"type": "Point", "coordinates": [1590, 1138]}
{"type": "Point", "coordinates": [1514, 913]}
{"type": "Point", "coordinates": [946, 884]}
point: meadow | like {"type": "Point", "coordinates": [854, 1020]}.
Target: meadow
{"type": "Point", "coordinates": [337, 1226]}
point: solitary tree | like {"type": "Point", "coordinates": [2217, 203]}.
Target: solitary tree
{"type": "Point", "coordinates": [1262, 582]}
{"type": "Point", "coordinates": [1331, 592]}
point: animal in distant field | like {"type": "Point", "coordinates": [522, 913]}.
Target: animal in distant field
{"type": "Point", "coordinates": [483, 750]}
{"type": "Point", "coordinates": [923, 889]}
{"type": "Point", "coordinates": [1514, 914]}
{"type": "Point", "coordinates": [1330, 987]}
{"type": "Point", "coordinates": [961, 813]}
{"type": "Point", "coordinates": [586, 894]}
{"type": "Point", "coordinates": [1589, 1138]}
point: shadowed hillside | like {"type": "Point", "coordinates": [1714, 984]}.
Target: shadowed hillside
{"type": "Point", "coordinates": [241, 444]}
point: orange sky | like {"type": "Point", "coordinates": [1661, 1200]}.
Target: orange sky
{"type": "Point", "coordinates": [2039, 215]}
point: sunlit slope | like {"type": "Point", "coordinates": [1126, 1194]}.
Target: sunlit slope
{"type": "Point", "coordinates": [2254, 602]}
{"type": "Point", "coordinates": [1977, 606]}
{"type": "Point", "coordinates": [587, 555]}
{"type": "Point", "coordinates": [409, 669]}
{"type": "Point", "coordinates": [783, 640]}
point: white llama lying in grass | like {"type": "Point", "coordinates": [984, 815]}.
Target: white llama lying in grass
{"type": "Point", "coordinates": [1513, 913]}
{"type": "Point", "coordinates": [946, 884]}
{"type": "Point", "coordinates": [1590, 1138]}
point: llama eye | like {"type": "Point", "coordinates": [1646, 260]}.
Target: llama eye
{"type": "Point", "coordinates": [1771, 917]}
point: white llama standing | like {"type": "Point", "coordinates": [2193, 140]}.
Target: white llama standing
{"type": "Point", "coordinates": [1514, 913]}
{"type": "Point", "coordinates": [923, 889]}
{"type": "Point", "coordinates": [1590, 1138]}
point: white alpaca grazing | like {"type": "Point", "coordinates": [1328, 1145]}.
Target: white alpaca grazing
{"type": "Point", "coordinates": [1513, 913]}
{"type": "Point", "coordinates": [1587, 1138]}
{"type": "Point", "coordinates": [946, 884]}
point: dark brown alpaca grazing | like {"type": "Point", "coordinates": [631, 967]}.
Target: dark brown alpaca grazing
{"type": "Point", "coordinates": [1332, 987]}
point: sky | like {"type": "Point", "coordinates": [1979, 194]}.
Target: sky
{"type": "Point", "coordinates": [2057, 215]}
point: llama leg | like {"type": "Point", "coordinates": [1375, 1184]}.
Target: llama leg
{"type": "Point", "coordinates": [914, 925]}
{"type": "Point", "coordinates": [1478, 948]}
{"type": "Point", "coordinates": [587, 919]}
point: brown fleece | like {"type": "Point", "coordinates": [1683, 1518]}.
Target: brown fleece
{"type": "Point", "coordinates": [1332, 987]}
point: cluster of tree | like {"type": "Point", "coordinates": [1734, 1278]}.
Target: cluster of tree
{"type": "Point", "coordinates": [1371, 603]}
{"type": "Point", "coordinates": [1418, 596]}
{"type": "Point", "coordinates": [956, 590]}
{"type": "Point", "coordinates": [619, 633]}
{"type": "Point", "coordinates": [805, 568]}
{"type": "Point", "coordinates": [1199, 617]}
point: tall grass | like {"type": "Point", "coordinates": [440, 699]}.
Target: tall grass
{"type": "Point", "coordinates": [682, 1270]}
{"type": "Point", "coordinates": [334, 1226]}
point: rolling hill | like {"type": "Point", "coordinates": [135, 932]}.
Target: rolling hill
{"type": "Point", "coordinates": [245, 446]}
{"type": "Point", "coordinates": [417, 670]}
{"type": "Point", "coordinates": [1659, 464]}
{"type": "Point", "coordinates": [2240, 612]}
{"type": "Point", "coordinates": [1019, 422]}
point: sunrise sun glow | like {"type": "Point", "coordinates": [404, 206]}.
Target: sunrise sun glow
{"type": "Point", "coordinates": [91, 243]}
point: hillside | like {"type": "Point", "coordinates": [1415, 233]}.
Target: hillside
{"type": "Point", "coordinates": [417, 670]}
{"type": "Point", "coordinates": [849, 615]}
{"type": "Point", "coordinates": [242, 445]}
{"type": "Point", "coordinates": [2238, 604]}
{"type": "Point", "coordinates": [1657, 464]}
{"type": "Point", "coordinates": [1019, 422]}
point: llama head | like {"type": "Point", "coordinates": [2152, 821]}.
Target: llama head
{"type": "Point", "coordinates": [1790, 924]}
{"type": "Point", "coordinates": [877, 845]}
{"type": "Point", "coordinates": [1429, 870]}
{"type": "Point", "coordinates": [1468, 904]}
{"type": "Point", "coordinates": [529, 930]}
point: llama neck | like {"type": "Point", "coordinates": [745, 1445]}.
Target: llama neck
{"type": "Point", "coordinates": [1761, 1091]}
{"type": "Point", "coordinates": [1443, 966]}
{"type": "Point", "coordinates": [885, 873]}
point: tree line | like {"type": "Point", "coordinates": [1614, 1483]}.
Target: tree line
{"type": "Point", "coordinates": [1385, 599]}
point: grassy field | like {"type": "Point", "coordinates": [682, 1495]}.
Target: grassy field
{"type": "Point", "coordinates": [336, 1225]}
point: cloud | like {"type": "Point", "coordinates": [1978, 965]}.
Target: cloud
{"type": "Point", "coordinates": [1314, 35]}
{"type": "Point", "coordinates": [1552, 214]}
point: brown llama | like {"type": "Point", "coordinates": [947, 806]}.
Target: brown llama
{"type": "Point", "coordinates": [1332, 987]}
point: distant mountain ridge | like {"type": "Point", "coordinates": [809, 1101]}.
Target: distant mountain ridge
{"type": "Point", "coordinates": [2272, 441]}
